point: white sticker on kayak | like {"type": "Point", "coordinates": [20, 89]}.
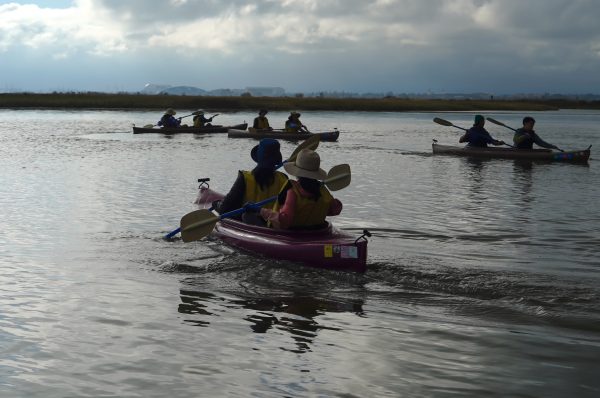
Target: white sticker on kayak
{"type": "Point", "coordinates": [349, 252]}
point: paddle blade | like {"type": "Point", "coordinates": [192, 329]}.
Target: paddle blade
{"type": "Point", "coordinates": [310, 143]}
{"type": "Point", "coordinates": [442, 122]}
{"type": "Point", "coordinates": [197, 224]}
{"type": "Point", "coordinates": [339, 177]}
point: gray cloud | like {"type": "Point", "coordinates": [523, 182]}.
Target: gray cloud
{"type": "Point", "coordinates": [399, 45]}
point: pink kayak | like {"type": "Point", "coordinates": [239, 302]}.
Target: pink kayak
{"type": "Point", "coordinates": [323, 248]}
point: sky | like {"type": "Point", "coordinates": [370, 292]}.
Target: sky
{"type": "Point", "coordinates": [378, 46]}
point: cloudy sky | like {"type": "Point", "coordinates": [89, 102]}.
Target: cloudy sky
{"type": "Point", "coordinates": [494, 46]}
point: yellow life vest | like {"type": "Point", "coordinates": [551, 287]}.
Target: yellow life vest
{"type": "Point", "coordinates": [198, 121]}
{"type": "Point", "coordinates": [262, 123]}
{"type": "Point", "coordinates": [255, 194]}
{"type": "Point", "coordinates": [309, 212]}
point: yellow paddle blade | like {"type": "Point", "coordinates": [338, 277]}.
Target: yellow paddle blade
{"type": "Point", "coordinates": [339, 177]}
{"type": "Point", "coordinates": [310, 143]}
{"type": "Point", "coordinates": [197, 224]}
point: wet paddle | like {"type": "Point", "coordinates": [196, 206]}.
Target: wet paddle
{"type": "Point", "coordinates": [508, 127]}
{"type": "Point", "coordinates": [449, 124]}
{"type": "Point", "coordinates": [198, 224]}
{"type": "Point", "coordinates": [311, 143]}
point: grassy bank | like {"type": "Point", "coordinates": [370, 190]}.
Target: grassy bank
{"type": "Point", "coordinates": [135, 101]}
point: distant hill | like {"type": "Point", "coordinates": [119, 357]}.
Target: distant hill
{"type": "Point", "coordinates": [154, 89]}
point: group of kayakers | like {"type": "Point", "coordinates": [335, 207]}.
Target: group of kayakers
{"type": "Point", "coordinates": [292, 124]}
{"type": "Point", "coordinates": [261, 122]}
{"type": "Point", "coordinates": [524, 137]}
{"type": "Point", "coordinates": [301, 204]}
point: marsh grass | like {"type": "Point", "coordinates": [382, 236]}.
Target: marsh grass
{"type": "Point", "coordinates": [140, 101]}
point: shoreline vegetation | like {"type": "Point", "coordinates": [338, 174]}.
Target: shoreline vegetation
{"type": "Point", "coordinates": [245, 103]}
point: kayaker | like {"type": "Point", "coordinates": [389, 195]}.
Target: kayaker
{"type": "Point", "coordinates": [260, 183]}
{"type": "Point", "coordinates": [294, 125]}
{"type": "Point", "coordinates": [303, 204]}
{"type": "Point", "coordinates": [478, 136]}
{"type": "Point", "coordinates": [261, 122]}
{"type": "Point", "coordinates": [525, 137]}
{"type": "Point", "coordinates": [200, 120]}
{"type": "Point", "coordinates": [169, 120]}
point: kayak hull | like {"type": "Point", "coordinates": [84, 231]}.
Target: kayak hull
{"type": "Point", "coordinates": [188, 130]}
{"type": "Point", "coordinates": [327, 248]}
{"type": "Point", "coordinates": [545, 155]}
{"type": "Point", "coordinates": [282, 135]}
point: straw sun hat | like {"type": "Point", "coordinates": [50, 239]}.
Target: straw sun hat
{"type": "Point", "coordinates": [170, 111]}
{"type": "Point", "coordinates": [307, 165]}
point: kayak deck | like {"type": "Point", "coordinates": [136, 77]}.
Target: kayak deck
{"type": "Point", "coordinates": [547, 155]}
{"type": "Point", "coordinates": [282, 135]}
{"type": "Point", "coordinates": [326, 248]}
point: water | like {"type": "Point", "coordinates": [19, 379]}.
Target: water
{"type": "Point", "coordinates": [483, 274]}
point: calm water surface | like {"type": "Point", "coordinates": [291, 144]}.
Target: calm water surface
{"type": "Point", "coordinates": [484, 275]}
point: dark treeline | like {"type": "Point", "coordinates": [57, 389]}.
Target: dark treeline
{"type": "Point", "coordinates": [142, 101]}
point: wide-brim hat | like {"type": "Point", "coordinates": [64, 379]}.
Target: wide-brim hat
{"type": "Point", "coordinates": [267, 152]}
{"type": "Point", "coordinates": [263, 112]}
{"type": "Point", "coordinates": [295, 114]}
{"type": "Point", "coordinates": [307, 165]}
{"type": "Point", "coordinates": [198, 112]}
{"type": "Point", "coordinates": [170, 111]}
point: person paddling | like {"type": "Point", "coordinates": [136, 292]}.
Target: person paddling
{"type": "Point", "coordinates": [169, 120]}
{"type": "Point", "coordinates": [260, 183]}
{"type": "Point", "coordinates": [478, 136]}
{"type": "Point", "coordinates": [261, 122]}
{"type": "Point", "coordinates": [525, 137]}
{"type": "Point", "coordinates": [294, 125]}
{"type": "Point", "coordinates": [200, 120]}
{"type": "Point", "coordinates": [305, 203]}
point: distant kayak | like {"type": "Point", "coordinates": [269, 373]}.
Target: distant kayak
{"type": "Point", "coordinates": [188, 130]}
{"type": "Point", "coordinates": [326, 248]}
{"type": "Point", "coordinates": [547, 155]}
{"type": "Point", "coordinates": [281, 135]}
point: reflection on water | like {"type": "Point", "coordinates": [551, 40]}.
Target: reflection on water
{"type": "Point", "coordinates": [296, 314]}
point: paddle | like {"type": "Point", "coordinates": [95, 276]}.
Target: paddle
{"type": "Point", "coordinates": [198, 224]}
{"type": "Point", "coordinates": [499, 123]}
{"type": "Point", "coordinates": [310, 143]}
{"type": "Point", "coordinates": [447, 123]}
{"type": "Point", "coordinates": [508, 127]}
{"type": "Point", "coordinates": [149, 126]}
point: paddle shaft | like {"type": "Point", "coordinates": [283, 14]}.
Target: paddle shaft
{"type": "Point", "coordinates": [449, 124]}
{"type": "Point", "coordinates": [204, 221]}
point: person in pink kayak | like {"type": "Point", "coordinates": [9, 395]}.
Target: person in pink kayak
{"type": "Point", "coordinates": [306, 202]}
{"type": "Point", "coordinates": [258, 184]}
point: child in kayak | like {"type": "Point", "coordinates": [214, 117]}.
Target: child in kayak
{"type": "Point", "coordinates": [303, 204]}
{"type": "Point", "coordinates": [478, 136]}
{"type": "Point", "coordinates": [260, 183]}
